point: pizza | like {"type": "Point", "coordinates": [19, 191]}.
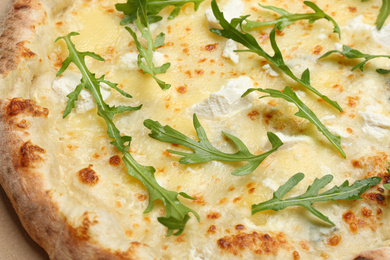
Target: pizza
{"type": "Point", "coordinates": [198, 129]}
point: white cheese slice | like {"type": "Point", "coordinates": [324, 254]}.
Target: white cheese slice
{"type": "Point", "coordinates": [227, 101]}
{"type": "Point", "coordinates": [382, 36]}
{"type": "Point", "coordinates": [228, 51]}
{"type": "Point", "coordinates": [158, 59]}
{"type": "Point", "coordinates": [232, 9]}
{"type": "Point", "coordinates": [375, 124]}
{"type": "Point", "coordinates": [300, 64]}
{"type": "Point", "coordinates": [270, 183]}
{"type": "Point", "coordinates": [330, 121]}
{"type": "Point", "coordinates": [289, 140]}
{"type": "Point", "coordinates": [357, 26]}
{"type": "Point", "coordinates": [68, 83]}
{"type": "Point", "coordinates": [338, 46]}
{"type": "Point", "coordinates": [128, 61]}
{"type": "Point", "coordinates": [269, 70]}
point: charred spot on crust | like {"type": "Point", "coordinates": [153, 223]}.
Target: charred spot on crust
{"type": "Point", "coordinates": [24, 51]}
{"type": "Point", "coordinates": [115, 160]}
{"type": "Point", "coordinates": [240, 227]}
{"type": "Point", "coordinates": [259, 243]}
{"type": "Point", "coordinates": [373, 254]}
{"type": "Point", "coordinates": [362, 258]}
{"type": "Point", "coordinates": [253, 114]}
{"type": "Point", "coordinates": [88, 176]}
{"type": "Point", "coordinates": [182, 89]}
{"type": "Point", "coordinates": [29, 154]}
{"type": "Point", "coordinates": [212, 229]}
{"type": "Point", "coordinates": [19, 6]}
{"type": "Point", "coordinates": [377, 197]}
{"type": "Point", "coordinates": [19, 105]}
{"type": "Point", "coordinates": [211, 47]}
{"type": "Point", "coordinates": [213, 215]}
{"type": "Point", "coordinates": [334, 241]}
{"type": "Point", "coordinates": [22, 124]}
{"type": "Point", "coordinates": [82, 231]}
{"type": "Point", "coordinates": [296, 255]}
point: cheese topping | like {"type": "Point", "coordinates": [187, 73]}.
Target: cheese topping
{"type": "Point", "coordinates": [68, 83]}
{"type": "Point", "coordinates": [208, 78]}
{"type": "Point", "coordinates": [226, 101]}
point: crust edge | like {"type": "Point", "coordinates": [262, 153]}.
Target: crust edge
{"type": "Point", "coordinates": [24, 185]}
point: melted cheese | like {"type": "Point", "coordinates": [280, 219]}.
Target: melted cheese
{"type": "Point", "coordinates": [198, 70]}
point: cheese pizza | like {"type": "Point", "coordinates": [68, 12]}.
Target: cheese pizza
{"type": "Point", "coordinates": [230, 129]}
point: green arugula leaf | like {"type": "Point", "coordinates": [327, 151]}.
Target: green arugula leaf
{"type": "Point", "coordinates": [176, 213]}
{"type": "Point", "coordinates": [387, 185]}
{"type": "Point", "coordinates": [384, 12]}
{"type": "Point", "coordinates": [204, 151]}
{"type": "Point", "coordinates": [287, 18]}
{"type": "Point", "coordinates": [145, 56]}
{"type": "Point", "coordinates": [229, 31]}
{"type": "Point", "coordinates": [153, 7]}
{"type": "Point", "coordinates": [312, 195]}
{"type": "Point", "coordinates": [289, 95]}
{"type": "Point", "coordinates": [350, 53]}
{"type": "Point", "coordinates": [388, 169]}
{"type": "Point", "coordinates": [144, 13]}
{"type": "Point", "coordinates": [383, 71]}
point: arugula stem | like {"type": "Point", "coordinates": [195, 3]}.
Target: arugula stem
{"type": "Point", "coordinates": [204, 151]}
{"type": "Point", "coordinates": [229, 31]}
{"type": "Point", "coordinates": [134, 165]}
{"type": "Point", "coordinates": [312, 195]}
{"type": "Point", "coordinates": [177, 214]}
{"type": "Point", "coordinates": [287, 18]}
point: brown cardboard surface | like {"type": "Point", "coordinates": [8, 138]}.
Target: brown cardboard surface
{"type": "Point", "coordinates": [15, 243]}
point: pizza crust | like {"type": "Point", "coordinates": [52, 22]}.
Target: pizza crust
{"type": "Point", "coordinates": [18, 29]}
{"type": "Point", "coordinates": [25, 158]}
{"type": "Point", "coordinates": [22, 166]}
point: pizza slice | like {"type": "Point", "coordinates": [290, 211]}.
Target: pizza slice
{"type": "Point", "coordinates": [201, 170]}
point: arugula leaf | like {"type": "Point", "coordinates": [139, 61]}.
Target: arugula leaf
{"type": "Point", "coordinates": [88, 81]}
{"type": "Point", "coordinates": [350, 53]}
{"type": "Point", "coordinates": [289, 95]}
{"type": "Point", "coordinates": [176, 213]}
{"type": "Point", "coordinates": [229, 31]}
{"type": "Point", "coordinates": [387, 186]}
{"type": "Point", "coordinates": [153, 7]}
{"type": "Point", "coordinates": [287, 18]}
{"type": "Point", "coordinates": [145, 57]}
{"type": "Point", "coordinates": [144, 13]}
{"type": "Point", "coordinates": [383, 71]}
{"type": "Point", "coordinates": [384, 12]}
{"type": "Point", "coordinates": [203, 149]}
{"type": "Point", "coordinates": [388, 169]}
{"type": "Point", "coordinates": [139, 11]}
{"type": "Point", "coordinates": [312, 195]}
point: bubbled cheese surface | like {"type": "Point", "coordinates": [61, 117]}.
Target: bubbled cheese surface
{"type": "Point", "coordinates": [200, 74]}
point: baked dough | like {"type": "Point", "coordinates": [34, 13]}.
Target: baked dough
{"type": "Point", "coordinates": [74, 196]}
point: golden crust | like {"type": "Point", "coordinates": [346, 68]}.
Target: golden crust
{"type": "Point", "coordinates": [18, 28]}
{"type": "Point", "coordinates": [22, 164]}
